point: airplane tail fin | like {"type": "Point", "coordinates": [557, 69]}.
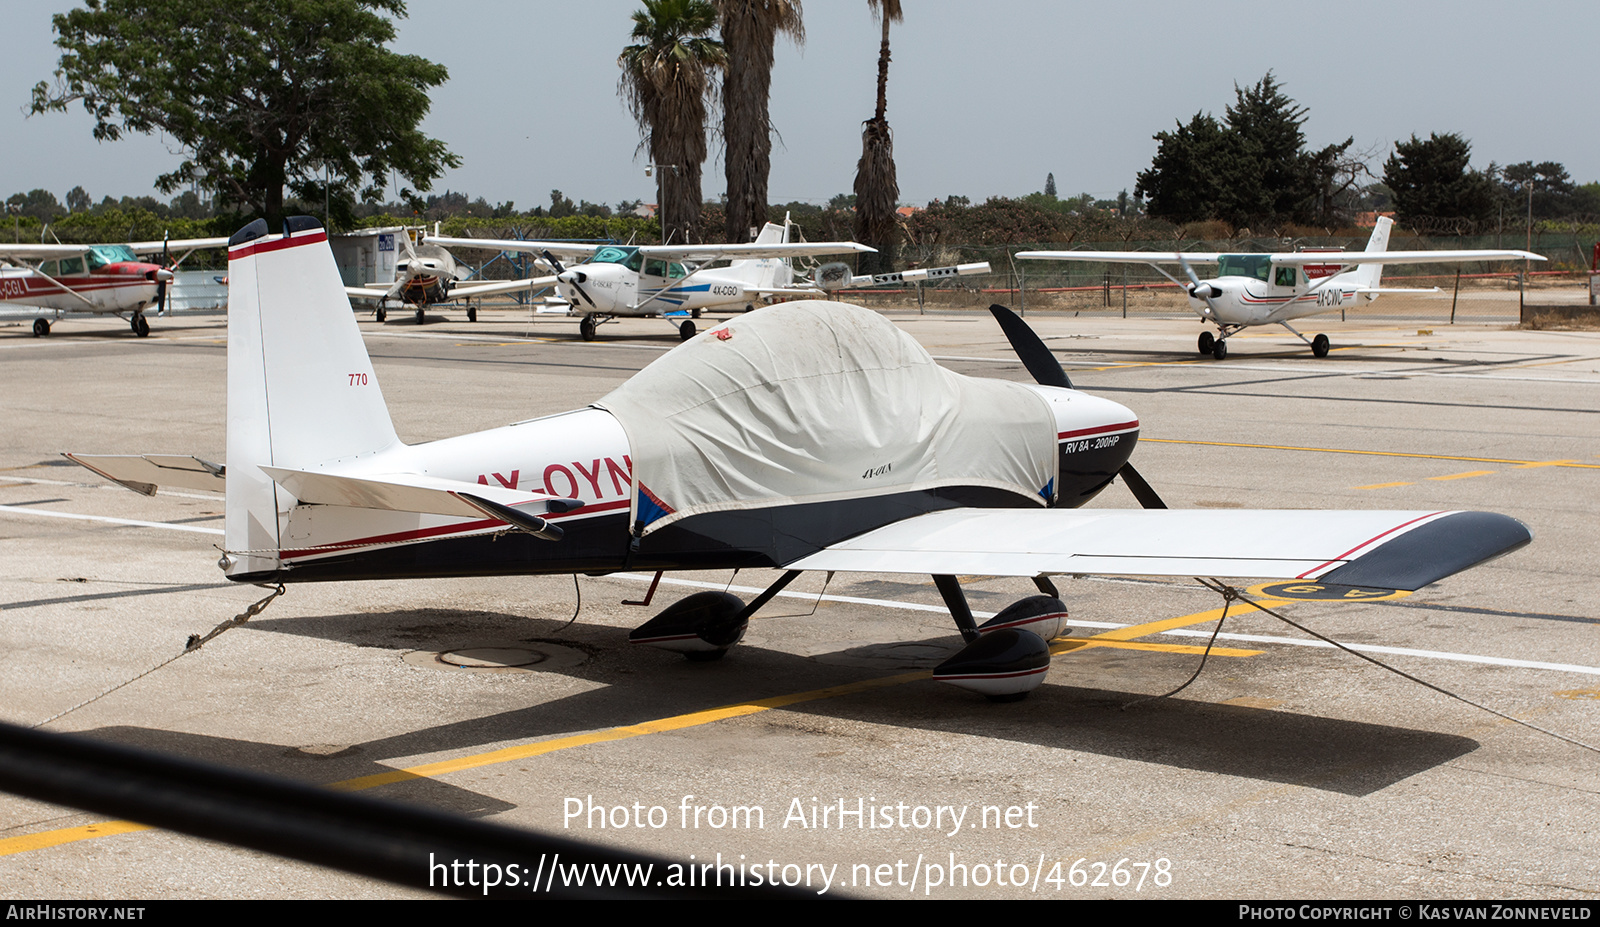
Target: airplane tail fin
{"type": "Point", "coordinates": [301, 388]}
{"type": "Point", "coordinates": [766, 273]}
{"type": "Point", "coordinates": [1368, 275]}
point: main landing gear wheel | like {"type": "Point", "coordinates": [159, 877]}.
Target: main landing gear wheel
{"type": "Point", "coordinates": [422, 317]}
{"type": "Point", "coordinates": [1319, 346]}
{"type": "Point", "coordinates": [1219, 350]}
{"type": "Point", "coordinates": [586, 327]}
{"type": "Point", "coordinates": [472, 313]}
{"type": "Point", "coordinates": [382, 313]}
{"type": "Point", "coordinates": [686, 330]}
{"type": "Point", "coordinates": [140, 326]}
{"type": "Point", "coordinates": [1207, 342]}
{"type": "Point", "coordinates": [41, 328]}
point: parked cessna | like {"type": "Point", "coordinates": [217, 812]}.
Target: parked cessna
{"type": "Point", "coordinates": [658, 280]}
{"type": "Point", "coordinates": [809, 436]}
{"type": "Point", "coordinates": [1274, 288]}
{"type": "Point", "coordinates": [102, 279]}
{"type": "Point", "coordinates": [426, 274]}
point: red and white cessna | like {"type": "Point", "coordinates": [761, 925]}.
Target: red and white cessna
{"type": "Point", "coordinates": [806, 436]}
{"type": "Point", "coordinates": [103, 279]}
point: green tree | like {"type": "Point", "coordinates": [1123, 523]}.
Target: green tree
{"type": "Point", "coordinates": [877, 189]}
{"type": "Point", "coordinates": [78, 199]}
{"type": "Point", "coordinates": [1432, 179]}
{"type": "Point", "coordinates": [669, 75]}
{"type": "Point", "coordinates": [1049, 184]}
{"type": "Point", "coordinates": [260, 95]}
{"type": "Point", "coordinates": [1250, 169]}
{"type": "Point", "coordinates": [750, 31]}
{"type": "Point", "coordinates": [38, 204]}
{"type": "Point", "coordinates": [1554, 195]}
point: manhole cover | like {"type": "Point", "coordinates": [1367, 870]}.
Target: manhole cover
{"type": "Point", "coordinates": [500, 659]}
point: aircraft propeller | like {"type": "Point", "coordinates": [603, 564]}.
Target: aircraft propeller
{"type": "Point", "coordinates": [1047, 371]}
{"type": "Point", "coordinates": [572, 278]}
{"type": "Point", "coordinates": [1198, 290]}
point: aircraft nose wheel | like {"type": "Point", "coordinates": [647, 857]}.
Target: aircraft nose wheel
{"type": "Point", "coordinates": [686, 330]}
{"type": "Point", "coordinates": [1319, 346]}
{"type": "Point", "coordinates": [586, 327]}
{"type": "Point", "coordinates": [382, 314]}
{"type": "Point", "coordinates": [472, 313]}
{"type": "Point", "coordinates": [1207, 342]}
{"type": "Point", "coordinates": [1220, 350]}
{"type": "Point", "coordinates": [41, 328]}
{"type": "Point", "coordinates": [422, 317]}
{"type": "Point", "coordinates": [141, 327]}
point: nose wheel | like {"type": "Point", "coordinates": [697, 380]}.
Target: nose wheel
{"type": "Point", "coordinates": [1207, 342]}
{"type": "Point", "coordinates": [587, 326]}
{"type": "Point", "coordinates": [141, 326]}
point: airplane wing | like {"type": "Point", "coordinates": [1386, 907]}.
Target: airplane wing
{"type": "Point", "coordinates": [1389, 550]}
{"type": "Point", "coordinates": [1284, 257]}
{"type": "Point", "coordinates": [752, 250]}
{"type": "Point", "coordinates": [41, 252]}
{"type": "Point", "coordinates": [558, 248]}
{"type": "Point", "coordinates": [1128, 257]}
{"type": "Point", "coordinates": [1400, 257]}
{"type": "Point", "coordinates": [367, 292]}
{"type": "Point", "coordinates": [489, 288]}
{"type": "Point", "coordinates": [176, 244]}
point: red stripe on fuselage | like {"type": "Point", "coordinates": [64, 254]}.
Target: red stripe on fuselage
{"type": "Point", "coordinates": [1098, 430]}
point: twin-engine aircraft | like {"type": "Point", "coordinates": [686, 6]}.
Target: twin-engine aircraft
{"type": "Point", "coordinates": [105, 279]}
{"type": "Point", "coordinates": [662, 280]}
{"type": "Point", "coordinates": [810, 435]}
{"type": "Point", "coordinates": [426, 274]}
{"type": "Point", "coordinates": [1275, 288]}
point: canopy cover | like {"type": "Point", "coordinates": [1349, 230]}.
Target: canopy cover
{"type": "Point", "coordinates": [817, 401]}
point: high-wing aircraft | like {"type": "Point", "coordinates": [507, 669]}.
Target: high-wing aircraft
{"type": "Point", "coordinates": [107, 279]}
{"type": "Point", "coordinates": [426, 274]}
{"type": "Point", "coordinates": [1275, 288]}
{"type": "Point", "coordinates": [661, 280]}
{"type": "Point", "coordinates": [812, 435]}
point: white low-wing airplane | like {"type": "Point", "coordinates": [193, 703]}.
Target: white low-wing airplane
{"type": "Point", "coordinates": [427, 274]}
{"type": "Point", "coordinates": [1275, 288]}
{"type": "Point", "coordinates": [660, 280]}
{"type": "Point", "coordinates": [107, 279]}
{"type": "Point", "coordinates": [809, 436]}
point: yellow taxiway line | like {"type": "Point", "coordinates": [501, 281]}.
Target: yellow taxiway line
{"type": "Point", "coordinates": [1120, 637]}
{"type": "Point", "coordinates": [1521, 464]}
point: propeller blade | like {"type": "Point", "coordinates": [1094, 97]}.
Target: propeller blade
{"type": "Point", "coordinates": [161, 298]}
{"type": "Point", "coordinates": [1038, 360]}
{"type": "Point", "coordinates": [1141, 490]}
{"type": "Point", "coordinates": [550, 259]}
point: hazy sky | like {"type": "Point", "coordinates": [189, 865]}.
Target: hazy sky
{"type": "Point", "coordinates": [985, 98]}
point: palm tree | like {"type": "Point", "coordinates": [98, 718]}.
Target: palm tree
{"type": "Point", "coordinates": [749, 32]}
{"type": "Point", "coordinates": [877, 191]}
{"type": "Point", "coordinates": [668, 78]}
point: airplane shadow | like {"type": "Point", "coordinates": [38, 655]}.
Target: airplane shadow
{"type": "Point", "coordinates": [641, 684]}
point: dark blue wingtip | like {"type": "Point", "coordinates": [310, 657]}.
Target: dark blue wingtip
{"type": "Point", "coordinates": [1431, 552]}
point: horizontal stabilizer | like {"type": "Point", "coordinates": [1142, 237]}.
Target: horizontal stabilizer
{"type": "Point", "coordinates": [145, 474]}
{"type": "Point", "coordinates": [409, 492]}
{"type": "Point", "coordinates": [1394, 550]}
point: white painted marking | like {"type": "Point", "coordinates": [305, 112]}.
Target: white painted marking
{"type": "Point", "coordinates": [24, 510]}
